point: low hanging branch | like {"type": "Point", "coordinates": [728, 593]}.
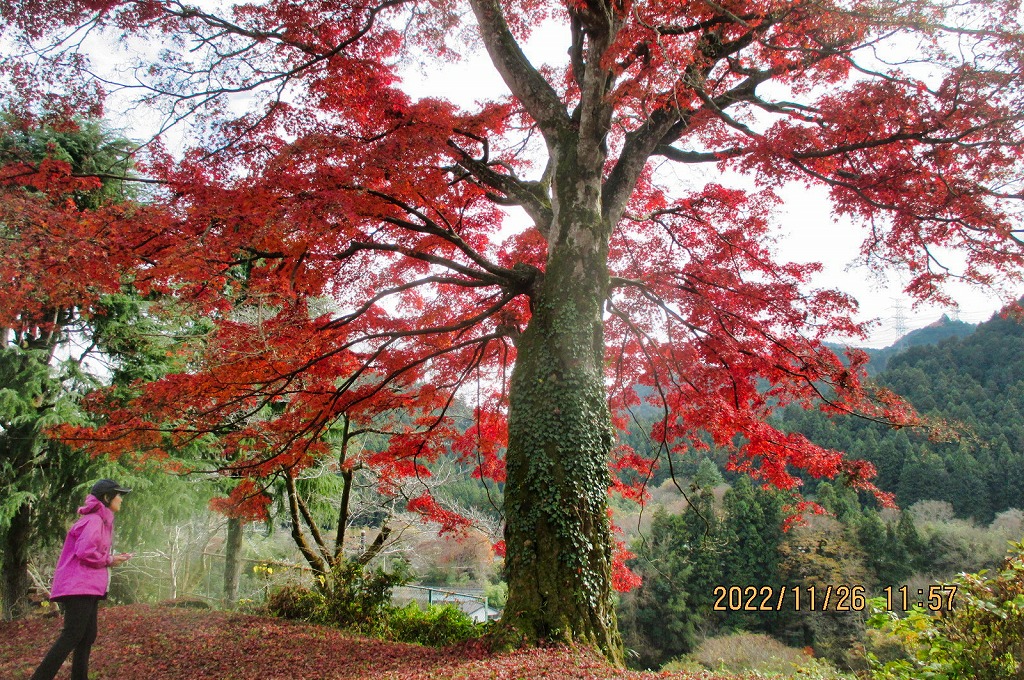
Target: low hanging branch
{"type": "Point", "coordinates": [316, 559]}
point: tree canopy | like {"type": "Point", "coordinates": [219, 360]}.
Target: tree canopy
{"type": "Point", "coordinates": [351, 241]}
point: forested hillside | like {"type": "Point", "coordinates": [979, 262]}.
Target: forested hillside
{"type": "Point", "coordinates": [932, 334]}
{"type": "Point", "coordinates": [976, 384]}
{"type": "Point", "coordinates": [960, 499]}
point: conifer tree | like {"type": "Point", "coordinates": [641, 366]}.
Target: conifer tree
{"type": "Point", "coordinates": [62, 333]}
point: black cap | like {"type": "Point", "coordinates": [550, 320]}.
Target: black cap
{"type": "Point", "coordinates": [107, 486]}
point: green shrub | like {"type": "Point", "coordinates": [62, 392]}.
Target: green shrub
{"type": "Point", "coordinates": [753, 655]}
{"type": "Point", "coordinates": [296, 602]}
{"type": "Point", "coordinates": [359, 599]}
{"type": "Point", "coordinates": [497, 594]}
{"type": "Point", "coordinates": [438, 626]}
{"type": "Point", "coordinates": [980, 638]}
{"type": "Point", "coordinates": [744, 652]}
{"type": "Point", "coordinates": [350, 597]}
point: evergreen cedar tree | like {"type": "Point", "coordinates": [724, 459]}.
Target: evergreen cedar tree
{"type": "Point", "coordinates": [348, 238]}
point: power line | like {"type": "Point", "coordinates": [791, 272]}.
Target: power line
{"type": "Point", "coordinates": [901, 319]}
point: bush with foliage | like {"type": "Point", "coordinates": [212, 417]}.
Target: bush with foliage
{"type": "Point", "coordinates": [980, 638]}
{"type": "Point", "coordinates": [497, 594]}
{"type": "Point", "coordinates": [358, 599]}
{"type": "Point", "coordinates": [351, 597]}
{"type": "Point", "coordinates": [296, 602]}
{"type": "Point", "coordinates": [438, 626]}
{"type": "Point", "coordinates": [743, 653]}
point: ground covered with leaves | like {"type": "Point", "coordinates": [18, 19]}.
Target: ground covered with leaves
{"type": "Point", "coordinates": [165, 643]}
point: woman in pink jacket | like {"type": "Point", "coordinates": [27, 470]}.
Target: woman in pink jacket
{"type": "Point", "coordinates": [82, 578]}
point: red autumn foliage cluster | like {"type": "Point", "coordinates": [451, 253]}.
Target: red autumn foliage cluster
{"type": "Point", "coordinates": [166, 643]}
{"type": "Point", "coordinates": [59, 258]}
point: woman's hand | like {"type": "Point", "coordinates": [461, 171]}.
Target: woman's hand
{"type": "Point", "coordinates": [118, 560]}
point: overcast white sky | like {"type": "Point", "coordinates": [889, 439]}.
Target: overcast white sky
{"type": "Point", "coordinates": [812, 234]}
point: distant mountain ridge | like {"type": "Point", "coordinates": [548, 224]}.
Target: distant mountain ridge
{"type": "Point", "coordinates": [932, 334]}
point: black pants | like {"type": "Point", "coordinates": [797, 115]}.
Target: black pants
{"type": "Point", "coordinates": [78, 635]}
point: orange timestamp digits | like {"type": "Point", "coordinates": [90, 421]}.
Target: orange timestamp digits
{"type": "Point", "coordinates": [789, 598]}
{"type": "Point", "coordinates": [939, 597]}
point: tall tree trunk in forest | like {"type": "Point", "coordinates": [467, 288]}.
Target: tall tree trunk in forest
{"type": "Point", "coordinates": [16, 579]}
{"type": "Point", "coordinates": [557, 535]}
{"type": "Point", "coordinates": [233, 561]}
{"type": "Point", "coordinates": [559, 558]}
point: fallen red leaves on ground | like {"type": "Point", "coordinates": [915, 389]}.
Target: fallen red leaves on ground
{"type": "Point", "coordinates": [165, 643]}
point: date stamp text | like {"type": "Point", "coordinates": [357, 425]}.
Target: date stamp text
{"type": "Point", "coordinates": [838, 598]}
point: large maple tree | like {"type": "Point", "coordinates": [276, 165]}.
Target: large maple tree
{"type": "Point", "coordinates": [366, 232]}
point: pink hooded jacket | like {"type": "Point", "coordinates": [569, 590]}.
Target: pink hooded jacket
{"type": "Point", "coordinates": [83, 567]}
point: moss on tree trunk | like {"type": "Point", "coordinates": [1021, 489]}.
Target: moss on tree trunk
{"type": "Point", "coordinates": [559, 550]}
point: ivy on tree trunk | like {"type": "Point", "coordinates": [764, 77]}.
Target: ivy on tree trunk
{"type": "Point", "coordinates": [558, 535]}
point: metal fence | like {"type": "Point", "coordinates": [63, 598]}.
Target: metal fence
{"type": "Point", "coordinates": [156, 577]}
{"type": "Point", "coordinates": [473, 605]}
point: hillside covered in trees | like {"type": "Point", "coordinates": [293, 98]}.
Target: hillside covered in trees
{"type": "Point", "coordinates": [932, 334]}
{"type": "Point", "coordinates": [973, 383]}
{"type": "Point", "coordinates": [959, 498]}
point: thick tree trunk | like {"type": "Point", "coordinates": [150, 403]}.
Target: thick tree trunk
{"type": "Point", "coordinates": [233, 561]}
{"type": "Point", "coordinates": [559, 549]}
{"type": "Point", "coordinates": [557, 534]}
{"type": "Point", "coordinates": [16, 580]}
